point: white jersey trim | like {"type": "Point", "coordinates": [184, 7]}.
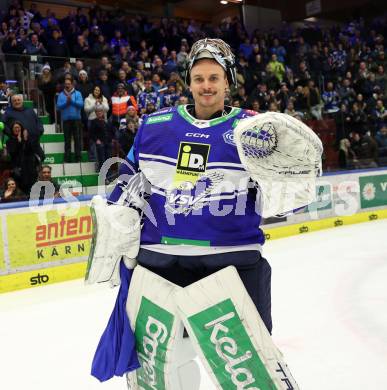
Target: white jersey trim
{"type": "Point", "coordinates": [195, 250]}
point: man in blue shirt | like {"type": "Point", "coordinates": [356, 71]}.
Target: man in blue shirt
{"type": "Point", "coordinates": [70, 103]}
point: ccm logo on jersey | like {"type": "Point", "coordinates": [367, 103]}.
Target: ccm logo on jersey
{"type": "Point", "coordinates": [197, 135]}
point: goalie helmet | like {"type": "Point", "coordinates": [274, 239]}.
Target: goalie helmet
{"type": "Point", "coordinates": [217, 50]}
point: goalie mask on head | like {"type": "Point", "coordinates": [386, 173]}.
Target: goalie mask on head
{"type": "Point", "coordinates": [217, 50]}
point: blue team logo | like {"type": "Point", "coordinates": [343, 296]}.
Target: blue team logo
{"type": "Point", "coordinates": [188, 197]}
{"type": "Point", "coordinates": [228, 137]}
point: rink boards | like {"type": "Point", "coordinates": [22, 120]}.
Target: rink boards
{"type": "Point", "coordinates": [49, 244]}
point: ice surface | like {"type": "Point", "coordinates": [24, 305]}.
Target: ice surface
{"type": "Point", "coordinates": [329, 313]}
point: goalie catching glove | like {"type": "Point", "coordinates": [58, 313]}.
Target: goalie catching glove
{"type": "Point", "coordinates": [283, 156]}
{"type": "Point", "coordinates": [116, 235]}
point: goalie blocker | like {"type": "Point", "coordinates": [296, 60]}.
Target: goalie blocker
{"type": "Point", "coordinates": [224, 327]}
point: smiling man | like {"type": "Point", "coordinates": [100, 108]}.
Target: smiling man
{"type": "Point", "coordinates": [204, 204]}
{"type": "Point", "coordinates": [203, 210]}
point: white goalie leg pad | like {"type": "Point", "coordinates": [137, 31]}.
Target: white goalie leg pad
{"type": "Point", "coordinates": [116, 235]}
{"type": "Point", "coordinates": [229, 335]}
{"type": "Point", "coordinates": [158, 329]}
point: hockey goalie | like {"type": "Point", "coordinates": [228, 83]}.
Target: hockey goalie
{"type": "Point", "coordinates": [181, 233]}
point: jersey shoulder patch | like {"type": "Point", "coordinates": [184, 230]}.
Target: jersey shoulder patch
{"type": "Point", "coordinates": [163, 115]}
{"type": "Point", "coordinates": [249, 113]}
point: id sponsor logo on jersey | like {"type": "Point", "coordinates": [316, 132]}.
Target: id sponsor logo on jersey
{"type": "Point", "coordinates": [191, 162]}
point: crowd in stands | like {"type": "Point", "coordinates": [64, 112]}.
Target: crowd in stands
{"type": "Point", "coordinates": [130, 65]}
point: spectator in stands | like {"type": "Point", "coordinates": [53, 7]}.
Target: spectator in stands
{"type": "Point", "coordinates": [365, 148]}
{"type": "Point", "coordinates": [132, 116]}
{"type": "Point", "coordinates": [101, 47]}
{"type": "Point", "coordinates": [302, 75]}
{"type": "Point", "coordinates": [182, 58]}
{"type": "Point", "coordinates": [347, 157]}
{"type": "Point", "coordinates": [11, 193]}
{"type": "Point", "coordinates": [381, 79]}
{"type": "Point", "coordinates": [84, 86]}
{"type": "Point", "coordinates": [170, 96]}
{"type": "Point", "coordinates": [79, 65]}
{"type": "Point", "coordinates": [13, 48]}
{"type": "Point", "coordinates": [158, 84]}
{"type": "Point", "coordinates": [105, 85]}
{"type": "Point", "coordinates": [118, 41]}
{"type": "Point", "coordinates": [150, 108]}
{"type": "Point", "coordinates": [3, 31]}
{"type": "Point", "coordinates": [93, 99]}
{"type": "Point", "coordinates": [259, 93]}
{"type": "Point", "coordinates": [26, 116]}
{"type": "Point", "coordinates": [346, 92]}
{"type": "Point", "coordinates": [57, 47]}
{"type": "Point", "coordinates": [70, 103]}
{"type": "Point", "coordinates": [182, 100]}
{"type": "Point", "coordinates": [289, 110]}
{"type": "Point", "coordinates": [379, 114]}
{"type": "Point", "coordinates": [5, 92]}
{"type": "Point", "coordinates": [283, 96]}
{"type": "Point", "coordinates": [149, 95]}
{"type": "Point", "coordinates": [120, 102]}
{"type": "Point", "coordinates": [357, 119]}
{"type": "Point", "coordinates": [122, 78]}
{"type": "Point", "coordinates": [126, 138]}
{"type": "Point", "coordinates": [47, 85]}
{"type": "Point", "coordinates": [82, 49]}
{"type": "Point", "coordinates": [170, 64]}
{"type": "Point", "coordinates": [278, 50]}
{"type": "Point", "coordinates": [101, 135]}
{"type": "Point", "coordinates": [381, 139]}
{"type": "Point", "coordinates": [23, 153]}
{"type": "Point", "coordinates": [300, 100]}
{"type": "Point", "coordinates": [255, 106]}
{"type": "Point", "coordinates": [91, 102]}
{"type": "Point", "coordinates": [34, 47]}
{"type": "Point", "coordinates": [175, 78]}
{"type": "Point", "coordinates": [339, 60]}
{"type": "Point", "coordinates": [48, 187]}
{"type": "Point", "coordinates": [277, 67]}
{"type": "Point", "coordinates": [67, 70]}
{"type": "Point", "coordinates": [331, 99]}
{"type": "Point", "coordinates": [315, 102]}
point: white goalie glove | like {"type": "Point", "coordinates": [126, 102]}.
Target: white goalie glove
{"type": "Point", "coordinates": [283, 156]}
{"type": "Point", "coordinates": [116, 235]}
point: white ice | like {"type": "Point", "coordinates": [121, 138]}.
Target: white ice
{"type": "Point", "coordinates": [329, 313]}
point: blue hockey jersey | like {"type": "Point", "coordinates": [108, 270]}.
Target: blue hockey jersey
{"type": "Point", "coordinates": [200, 192]}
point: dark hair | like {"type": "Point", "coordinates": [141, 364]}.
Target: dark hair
{"type": "Point", "coordinates": [8, 180]}
{"type": "Point", "coordinates": [100, 90]}
{"type": "Point", "coordinates": [17, 123]}
{"type": "Point", "coordinates": [45, 167]}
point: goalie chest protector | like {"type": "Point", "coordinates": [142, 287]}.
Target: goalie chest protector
{"type": "Point", "coordinates": [201, 194]}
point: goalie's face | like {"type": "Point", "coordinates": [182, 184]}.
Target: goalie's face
{"type": "Point", "coordinates": [208, 86]}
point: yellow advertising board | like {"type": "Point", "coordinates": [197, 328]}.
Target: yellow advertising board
{"type": "Point", "coordinates": [2, 249]}
{"type": "Point", "coordinates": [39, 238]}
